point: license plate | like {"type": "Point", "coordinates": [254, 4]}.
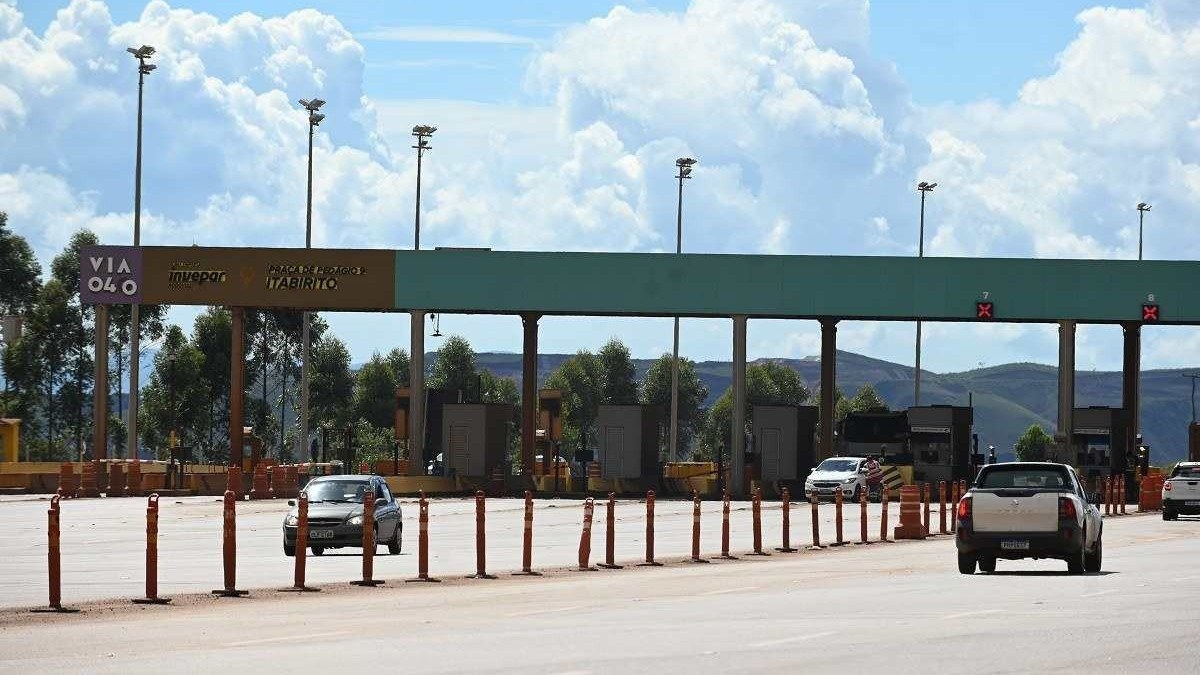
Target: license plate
{"type": "Point", "coordinates": [321, 534]}
{"type": "Point", "coordinates": [1192, 503]}
{"type": "Point", "coordinates": [1015, 545]}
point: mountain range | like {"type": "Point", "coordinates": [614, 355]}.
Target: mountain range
{"type": "Point", "coordinates": [1007, 398]}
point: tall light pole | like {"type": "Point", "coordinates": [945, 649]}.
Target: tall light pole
{"type": "Point", "coordinates": [684, 165]}
{"type": "Point", "coordinates": [416, 363]}
{"type": "Point", "coordinates": [923, 188]}
{"type": "Point", "coordinates": [141, 54]}
{"type": "Point", "coordinates": [1193, 377]}
{"type": "Point", "coordinates": [314, 118]}
{"type": "Point", "coordinates": [1142, 208]}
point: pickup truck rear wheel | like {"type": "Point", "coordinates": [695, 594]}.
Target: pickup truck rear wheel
{"type": "Point", "coordinates": [1076, 562]}
{"type": "Point", "coordinates": [1093, 560]}
{"type": "Point", "coordinates": [1168, 513]}
{"type": "Point", "coordinates": [987, 565]}
{"type": "Point", "coordinates": [966, 563]}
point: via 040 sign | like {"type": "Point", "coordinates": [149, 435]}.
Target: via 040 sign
{"type": "Point", "coordinates": [110, 275]}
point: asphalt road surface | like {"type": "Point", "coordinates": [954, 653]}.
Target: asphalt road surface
{"type": "Point", "coordinates": [899, 607]}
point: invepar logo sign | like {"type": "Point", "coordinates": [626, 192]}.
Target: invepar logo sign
{"type": "Point", "coordinates": [110, 275]}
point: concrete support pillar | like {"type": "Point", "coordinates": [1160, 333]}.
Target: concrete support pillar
{"type": "Point", "coordinates": [1131, 371]}
{"type": "Point", "coordinates": [1066, 387]}
{"type": "Point", "coordinates": [529, 389]}
{"type": "Point", "coordinates": [737, 431]}
{"type": "Point", "coordinates": [416, 394]}
{"type": "Point", "coordinates": [237, 386]}
{"type": "Point", "coordinates": [100, 392]}
{"type": "Point", "coordinates": [828, 386]}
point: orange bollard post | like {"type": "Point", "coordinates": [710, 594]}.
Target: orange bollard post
{"type": "Point", "coordinates": [229, 547]}
{"type": "Point", "coordinates": [54, 554]}
{"type": "Point", "coordinates": [610, 535]}
{"type": "Point", "coordinates": [650, 532]}
{"type": "Point", "coordinates": [816, 521]}
{"type": "Point", "coordinates": [368, 542]}
{"type": "Point", "coordinates": [942, 505]}
{"type": "Point", "coordinates": [301, 546]}
{"type": "Point", "coordinates": [925, 497]}
{"type": "Point", "coordinates": [152, 555]}
{"type": "Point", "coordinates": [527, 541]}
{"type": "Point", "coordinates": [786, 505]}
{"type": "Point", "coordinates": [480, 537]}
{"type": "Point", "coordinates": [837, 515]}
{"type": "Point", "coordinates": [423, 543]}
{"type": "Point", "coordinates": [725, 528]}
{"type": "Point", "coordinates": [585, 538]}
{"type": "Point", "coordinates": [1122, 494]}
{"type": "Point", "coordinates": [862, 517]}
{"type": "Point", "coordinates": [883, 515]}
{"type": "Point", "coordinates": [234, 482]}
{"type": "Point", "coordinates": [756, 513]}
{"type": "Point", "coordinates": [696, 528]}
{"type": "Point", "coordinates": [956, 493]}
{"type": "Point", "coordinates": [1108, 495]}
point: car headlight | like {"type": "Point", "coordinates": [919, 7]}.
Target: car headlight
{"type": "Point", "coordinates": [355, 520]}
{"type": "Point", "coordinates": [291, 521]}
{"type": "Point", "coordinates": [852, 479]}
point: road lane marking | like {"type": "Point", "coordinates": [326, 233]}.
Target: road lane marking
{"type": "Point", "coordinates": [1191, 578]}
{"type": "Point", "coordinates": [543, 611]}
{"type": "Point", "coordinates": [286, 638]}
{"type": "Point", "coordinates": [978, 612]}
{"type": "Point", "coordinates": [723, 591]}
{"type": "Point", "coordinates": [794, 638]}
{"type": "Point", "coordinates": [1096, 594]}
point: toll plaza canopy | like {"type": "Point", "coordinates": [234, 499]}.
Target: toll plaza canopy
{"type": "Point", "coordinates": [647, 284]}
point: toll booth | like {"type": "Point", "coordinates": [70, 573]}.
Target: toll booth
{"type": "Point", "coordinates": [474, 437]}
{"type": "Point", "coordinates": [784, 441]}
{"type": "Point", "coordinates": [628, 438]}
{"type": "Point", "coordinates": [939, 441]}
{"type": "Point", "coordinates": [1098, 441]}
{"type": "Point", "coordinates": [864, 434]}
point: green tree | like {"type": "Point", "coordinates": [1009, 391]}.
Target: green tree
{"type": "Point", "coordinates": [398, 361]}
{"type": "Point", "coordinates": [618, 384]}
{"type": "Point", "coordinates": [767, 383]}
{"type": "Point", "coordinates": [375, 393]}
{"type": "Point", "coordinates": [212, 335]}
{"type": "Point", "coordinates": [19, 271]}
{"type": "Point", "coordinates": [656, 390]}
{"type": "Point", "coordinates": [493, 389]}
{"type": "Point", "coordinates": [454, 366]}
{"type": "Point", "coordinates": [580, 378]}
{"type": "Point", "coordinates": [331, 384]}
{"type": "Point", "coordinates": [76, 394]}
{"type": "Point", "coordinates": [1034, 445]}
{"type": "Point", "coordinates": [867, 400]}
{"type": "Point", "coordinates": [152, 320]}
{"type": "Point", "coordinates": [53, 316]}
{"type": "Point", "coordinates": [176, 395]}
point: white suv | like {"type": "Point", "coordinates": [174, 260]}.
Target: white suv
{"type": "Point", "coordinates": [847, 475]}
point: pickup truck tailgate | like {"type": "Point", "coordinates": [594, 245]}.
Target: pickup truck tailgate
{"type": "Point", "coordinates": [1183, 489]}
{"type": "Point", "coordinates": [1014, 511]}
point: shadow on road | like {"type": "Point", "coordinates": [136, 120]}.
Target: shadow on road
{"type": "Point", "coordinates": [1046, 573]}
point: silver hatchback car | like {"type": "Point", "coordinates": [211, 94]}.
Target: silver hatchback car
{"type": "Point", "coordinates": [335, 514]}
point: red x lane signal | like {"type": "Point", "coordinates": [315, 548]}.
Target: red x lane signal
{"type": "Point", "coordinates": [1150, 312]}
{"type": "Point", "coordinates": [984, 310]}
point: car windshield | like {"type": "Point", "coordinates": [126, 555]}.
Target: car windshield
{"type": "Point", "coordinates": [1186, 472]}
{"type": "Point", "coordinates": [838, 465]}
{"type": "Point", "coordinates": [1037, 477]}
{"type": "Point", "coordinates": [337, 491]}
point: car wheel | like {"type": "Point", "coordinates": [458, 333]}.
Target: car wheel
{"type": "Point", "coordinates": [1093, 560]}
{"type": "Point", "coordinates": [966, 563]}
{"type": "Point", "coordinates": [317, 550]}
{"type": "Point", "coordinates": [1076, 562]}
{"type": "Point", "coordinates": [1168, 514]}
{"type": "Point", "coordinates": [289, 549]}
{"type": "Point", "coordinates": [395, 543]}
{"type": "Point", "coordinates": [987, 565]}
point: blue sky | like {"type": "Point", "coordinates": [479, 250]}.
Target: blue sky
{"type": "Point", "coordinates": [559, 122]}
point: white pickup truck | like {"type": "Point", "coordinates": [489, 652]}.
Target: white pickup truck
{"type": "Point", "coordinates": [1181, 492]}
{"type": "Point", "coordinates": [1028, 510]}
